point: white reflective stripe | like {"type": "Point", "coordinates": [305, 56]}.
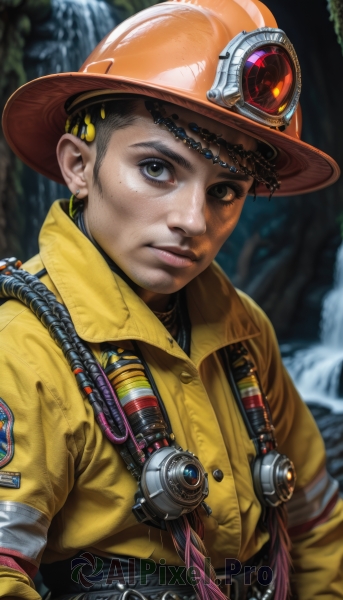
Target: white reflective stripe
{"type": "Point", "coordinates": [23, 529]}
{"type": "Point", "coordinates": [135, 394]}
{"type": "Point", "coordinates": [309, 502]}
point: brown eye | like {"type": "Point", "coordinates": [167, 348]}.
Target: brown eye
{"type": "Point", "coordinates": [222, 192]}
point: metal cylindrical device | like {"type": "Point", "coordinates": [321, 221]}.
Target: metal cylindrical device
{"type": "Point", "coordinates": [274, 478]}
{"type": "Point", "coordinates": [173, 483]}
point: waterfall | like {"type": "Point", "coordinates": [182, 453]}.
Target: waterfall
{"type": "Point", "coordinates": [317, 370]}
{"type": "Point", "coordinates": [63, 41]}
{"type": "Point", "coordinates": [60, 43]}
{"type": "Point", "coordinates": [332, 313]}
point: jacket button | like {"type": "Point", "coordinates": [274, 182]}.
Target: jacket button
{"type": "Point", "coordinates": [218, 475]}
{"type": "Point", "coordinates": [185, 377]}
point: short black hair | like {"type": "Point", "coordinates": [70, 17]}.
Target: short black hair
{"type": "Point", "coordinates": [118, 115]}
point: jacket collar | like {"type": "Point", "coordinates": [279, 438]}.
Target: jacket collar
{"type": "Point", "coordinates": [103, 307]}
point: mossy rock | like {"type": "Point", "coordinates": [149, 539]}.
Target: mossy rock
{"type": "Point", "coordinates": [336, 15]}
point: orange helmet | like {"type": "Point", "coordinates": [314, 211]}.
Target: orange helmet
{"type": "Point", "coordinates": [226, 60]}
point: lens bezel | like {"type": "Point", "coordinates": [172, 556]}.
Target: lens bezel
{"type": "Point", "coordinates": [227, 89]}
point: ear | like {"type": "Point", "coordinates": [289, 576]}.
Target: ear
{"type": "Point", "coordinates": [76, 161]}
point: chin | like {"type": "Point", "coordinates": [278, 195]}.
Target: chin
{"type": "Point", "coordinates": [160, 283]}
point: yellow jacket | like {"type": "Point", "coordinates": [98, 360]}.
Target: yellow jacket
{"type": "Point", "coordinates": [75, 487]}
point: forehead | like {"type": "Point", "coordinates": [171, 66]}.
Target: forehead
{"type": "Point", "coordinates": [233, 136]}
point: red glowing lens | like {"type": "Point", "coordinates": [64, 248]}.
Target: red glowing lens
{"type": "Point", "coordinates": [268, 79]}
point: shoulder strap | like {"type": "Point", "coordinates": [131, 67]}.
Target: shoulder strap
{"type": "Point", "coordinates": [40, 274]}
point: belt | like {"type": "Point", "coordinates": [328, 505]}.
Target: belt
{"type": "Point", "coordinates": [115, 579]}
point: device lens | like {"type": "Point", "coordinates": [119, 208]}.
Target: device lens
{"type": "Point", "coordinates": [268, 79]}
{"type": "Point", "coordinates": [191, 474]}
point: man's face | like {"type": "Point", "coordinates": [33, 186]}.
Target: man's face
{"type": "Point", "coordinates": [162, 211]}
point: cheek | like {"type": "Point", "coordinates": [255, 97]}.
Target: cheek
{"type": "Point", "coordinates": [222, 221]}
{"type": "Point", "coordinates": [129, 198]}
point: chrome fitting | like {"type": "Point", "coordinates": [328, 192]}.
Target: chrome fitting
{"type": "Point", "coordinates": [227, 89]}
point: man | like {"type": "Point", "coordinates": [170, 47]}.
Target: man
{"type": "Point", "coordinates": [163, 141]}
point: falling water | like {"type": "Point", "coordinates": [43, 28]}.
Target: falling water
{"type": "Point", "coordinates": [61, 43]}
{"type": "Point", "coordinates": [317, 370]}
{"type": "Point", "coordinates": [68, 36]}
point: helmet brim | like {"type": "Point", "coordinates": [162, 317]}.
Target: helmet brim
{"type": "Point", "coordinates": [34, 120]}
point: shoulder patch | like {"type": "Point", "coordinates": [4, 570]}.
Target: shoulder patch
{"type": "Point", "coordinates": [6, 434]}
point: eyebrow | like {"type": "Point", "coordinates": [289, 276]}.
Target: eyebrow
{"type": "Point", "coordinates": [183, 162]}
{"type": "Point", "coordinates": [233, 176]}
{"type": "Point", "coordinates": [168, 152]}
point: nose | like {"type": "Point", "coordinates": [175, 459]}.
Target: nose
{"type": "Point", "coordinates": [188, 211]}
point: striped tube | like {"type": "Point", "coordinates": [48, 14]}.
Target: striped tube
{"type": "Point", "coordinates": [128, 378]}
{"type": "Point", "coordinates": [250, 392]}
{"type": "Point", "coordinates": [253, 400]}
